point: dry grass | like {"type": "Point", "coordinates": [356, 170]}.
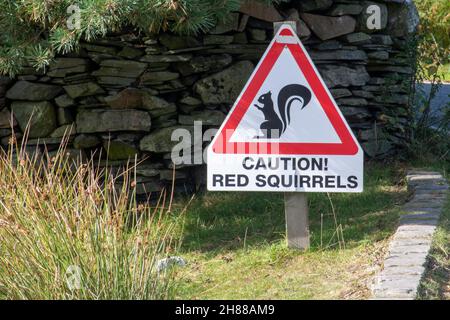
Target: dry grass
{"type": "Point", "coordinates": [57, 215]}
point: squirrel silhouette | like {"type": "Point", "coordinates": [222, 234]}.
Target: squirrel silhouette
{"type": "Point", "coordinates": [275, 124]}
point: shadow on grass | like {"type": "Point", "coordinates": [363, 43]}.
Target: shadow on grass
{"type": "Point", "coordinates": [231, 221]}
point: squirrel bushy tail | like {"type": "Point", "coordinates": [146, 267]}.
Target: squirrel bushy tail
{"type": "Point", "coordinates": [286, 96]}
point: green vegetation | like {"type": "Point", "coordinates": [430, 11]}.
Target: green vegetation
{"type": "Point", "coordinates": [444, 72]}
{"type": "Point", "coordinates": [434, 44]}
{"type": "Point", "coordinates": [33, 31]}
{"type": "Point", "coordinates": [65, 234]}
{"type": "Point", "coordinates": [235, 243]}
{"type": "Point", "coordinates": [436, 281]}
{"type": "Point", "coordinates": [55, 215]}
{"type": "Point", "coordinates": [430, 131]}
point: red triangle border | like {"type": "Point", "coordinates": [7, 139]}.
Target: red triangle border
{"type": "Point", "coordinates": [348, 146]}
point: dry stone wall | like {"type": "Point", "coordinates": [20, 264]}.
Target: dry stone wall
{"type": "Point", "coordinates": [124, 94]}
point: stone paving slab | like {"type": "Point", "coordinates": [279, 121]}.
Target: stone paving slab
{"type": "Point", "coordinates": [404, 264]}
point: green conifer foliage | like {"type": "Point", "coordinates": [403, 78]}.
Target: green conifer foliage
{"type": "Point", "coordinates": [34, 31]}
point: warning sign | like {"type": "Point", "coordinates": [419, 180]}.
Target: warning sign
{"type": "Point", "coordinates": [285, 132]}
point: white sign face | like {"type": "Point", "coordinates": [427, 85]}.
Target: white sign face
{"type": "Point", "coordinates": [285, 132]}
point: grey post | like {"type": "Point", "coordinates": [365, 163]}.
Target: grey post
{"type": "Point", "coordinates": [295, 203]}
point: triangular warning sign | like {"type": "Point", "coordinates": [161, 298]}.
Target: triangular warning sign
{"type": "Point", "coordinates": [285, 108]}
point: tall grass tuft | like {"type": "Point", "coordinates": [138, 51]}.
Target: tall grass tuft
{"type": "Point", "coordinates": [68, 232]}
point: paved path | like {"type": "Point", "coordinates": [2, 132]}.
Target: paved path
{"type": "Point", "coordinates": [404, 264]}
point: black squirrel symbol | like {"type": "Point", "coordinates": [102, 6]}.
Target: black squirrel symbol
{"type": "Point", "coordinates": [275, 125]}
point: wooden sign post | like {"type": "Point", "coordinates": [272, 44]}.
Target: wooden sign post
{"type": "Point", "coordinates": [295, 203]}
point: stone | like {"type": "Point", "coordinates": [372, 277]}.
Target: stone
{"type": "Point", "coordinates": [164, 121]}
{"type": "Point", "coordinates": [358, 37]}
{"type": "Point", "coordinates": [342, 9]}
{"type": "Point", "coordinates": [217, 39]}
{"type": "Point", "coordinates": [158, 77]}
{"type": "Point", "coordinates": [355, 114]}
{"type": "Point", "coordinates": [61, 67]}
{"type": "Point", "coordinates": [329, 45]}
{"type": "Point", "coordinates": [64, 116]}
{"type": "Point", "coordinates": [344, 76]}
{"type": "Point", "coordinates": [130, 53]}
{"type": "Point", "coordinates": [382, 39]}
{"type": "Point", "coordinates": [120, 68]}
{"type": "Point", "coordinates": [257, 34]}
{"type": "Point", "coordinates": [99, 49]}
{"type": "Point", "coordinates": [393, 98]}
{"type": "Point", "coordinates": [378, 55]}
{"type": "Point", "coordinates": [239, 49]}
{"type": "Point", "coordinates": [204, 63]}
{"type": "Point", "coordinates": [119, 150]}
{"type": "Point", "coordinates": [64, 131]}
{"type": "Point", "coordinates": [148, 187]}
{"type": "Point", "coordinates": [363, 94]}
{"type": "Point", "coordinates": [352, 102]}
{"type": "Point", "coordinates": [207, 117]}
{"type": "Point", "coordinates": [116, 82]}
{"type": "Point", "coordinates": [149, 170]}
{"type": "Point", "coordinates": [403, 19]}
{"type": "Point", "coordinates": [83, 90]}
{"type": "Point", "coordinates": [240, 38]}
{"type": "Point", "coordinates": [261, 11]}
{"type": "Point", "coordinates": [302, 29]}
{"type": "Point", "coordinates": [5, 132]}
{"type": "Point", "coordinates": [313, 5]}
{"type": "Point", "coordinates": [407, 257]}
{"type": "Point", "coordinates": [86, 141]}
{"type": "Point", "coordinates": [5, 119]}
{"type": "Point", "coordinates": [169, 87]}
{"type": "Point", "coordinates": [168, 175]}
{"type": "Point", "coordinates": [155, 50]}
{"type": "Point", "coordinates": [173, 42]}
{"type": "Point", "coordinates": [150, 41]}
{"type": "Point", "coordinates": [5, 81]}
{"type": "Point", "coordinates": [129, 98]}
{"type": "Point", "coordinates": [340, 93]}
{"type": "Point", "coordinates": [224, 86]}
{"type": "Point", "coordinates": [48, 141]}
{"type": "Point", "coordinates": [73, 79]}
{"type": "Point", "coordinates": [366, 19]}
{"type": "Point", "coordinates": [169, 58]}
{"type": "Point", "coordinates": [98, 120]}
{"type": "Point", "coordinates": [40, 116]}
{"type": "Point", "coordinates": [338, 55]}
{"type": "Point", "coordinates": [190, 101]}
{"type": "Point", "coordinates": [64, 101]}
{"type": "Point", "coordinates": [375, 148]}
{"type": "Point", "coordinates": [329, 27]}
{"type": "Point", "coordinates": [160, 141]}
{"type": "Point", "coordinates": [157, 106]}
{"type": "Point", "coordinates": [30, 91]}
{"type": "Point", "coordinates": [28, 78]}
{"type": "Point", "coordinates": [231, 23]}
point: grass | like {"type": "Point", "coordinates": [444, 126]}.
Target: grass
{"type": "Point", "coordinates": [436, 282]}
{"type": "Point", "coordinates": [235, 243]}
{"type": "Point", "coordinates": [55, 215]}
{"type": "Point", "coordinates": [444, 72]}
{"type": "Point", "coordinates": [68, 233]}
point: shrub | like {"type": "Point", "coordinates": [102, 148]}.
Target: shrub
{"type": "Point", "coordinates": [33, 31]}
{"type": "Point", "coordinates": [67, 233]}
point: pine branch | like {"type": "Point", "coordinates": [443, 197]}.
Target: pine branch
{"type": "Point", "coordinates": [34, 31]}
